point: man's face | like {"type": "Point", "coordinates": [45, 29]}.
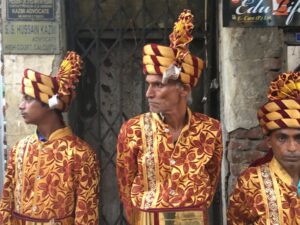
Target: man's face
{"type": "Point", "coordinates": [32, 110]}
{"type": "Point", "coordinates": [285, 144]}
{"type": "Point", "coordinates": [163, 98]}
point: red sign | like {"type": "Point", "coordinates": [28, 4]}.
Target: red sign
{"type": "Point", "coordinates": [235, 1]}
{"type": "Point", "coordinates": [280, 7]}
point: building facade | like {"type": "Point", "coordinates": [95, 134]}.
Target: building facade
{"type": "Point", "coordinates": [241, 60]}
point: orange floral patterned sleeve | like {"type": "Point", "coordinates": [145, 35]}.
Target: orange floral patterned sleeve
{"type": "Point", "coordinates": [213, 166]}
{"type": "Point", "coordinates": [6, 203]}
{"type": "Point", "coordinates": [246, 200]}
{"type": "Point", "coordinates": [87, 191]}
{"type": "Point", "coordinates": [53, 180]}
{"type": "Point", "coordinates": [126, 165]}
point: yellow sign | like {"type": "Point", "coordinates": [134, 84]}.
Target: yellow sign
{"type": "Point", "coordinates": [31, 37]}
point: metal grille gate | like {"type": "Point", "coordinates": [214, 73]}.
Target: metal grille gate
{"type": "Point", "coordinates": [110, 34]}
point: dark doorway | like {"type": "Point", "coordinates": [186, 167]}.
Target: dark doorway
{"type": "Point", "coordinates": [110, 35]}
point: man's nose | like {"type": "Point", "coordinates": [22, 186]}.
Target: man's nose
{"type": "Point", "coordinates": [292, 145]}
{"type": "Point", "coordinates": [22, 105]}
{"type": "Point", "coordinates": [149, 92]}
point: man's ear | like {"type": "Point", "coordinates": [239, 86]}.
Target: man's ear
{"type": "Point", "coordinates": [186, 89]}
{"type": "Point", "coordinates": [268, 141]}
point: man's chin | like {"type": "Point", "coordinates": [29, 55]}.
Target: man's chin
{"type": "Point", "coordinates": [154, 110]}
{"type": "Point", "coordinates": [28, 122]}
{"type": "Point", "coordinates": [151, 109]}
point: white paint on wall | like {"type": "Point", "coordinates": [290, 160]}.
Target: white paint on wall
{"type": "Point", "coordinates": [293, 58]}
{"type": "Point", "coordinates": [248, 56]}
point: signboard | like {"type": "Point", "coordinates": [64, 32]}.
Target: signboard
{"type": "Point", "coordinates": [37, 10]}
{"type": "Point", "coordinates": [31, 37]}
{"type": "Point", "coordinates": [261, 13]}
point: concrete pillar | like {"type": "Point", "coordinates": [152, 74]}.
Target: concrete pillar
{"type": "Point", "coordinates": [249, 59]}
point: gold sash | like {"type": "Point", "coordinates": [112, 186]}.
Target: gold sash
{"type": "Point", "coordinates": [271, 193]}
{"type": "Point", "coordinates": [172, 218]}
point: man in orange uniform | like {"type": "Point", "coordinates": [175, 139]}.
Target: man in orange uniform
{"type": "Point", "coordinates": [169, 159]}
{"type": "Point", "coordinates": [267, 194]}
{"type": "Point", "coordinates": [52, 176]}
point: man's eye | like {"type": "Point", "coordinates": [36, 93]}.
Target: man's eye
{"type": "Point", "coordinates": [28, 98]}
{"type": "Point", "coordinates": [159, 85]}
{"type": "Point", "coordinates": [297, 138]}
{"type": "Point", "coordinates": [281, 138]}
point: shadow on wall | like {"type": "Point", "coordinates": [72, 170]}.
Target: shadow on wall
{"type": "Point", "coordinates": [297, 69]}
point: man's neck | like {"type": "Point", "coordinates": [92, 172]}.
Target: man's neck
{"type": "Point", "coordinates": [48, 126]}
{"type": "Point", "coordinates": [177, 119]}
{"type": "Point", "coordinates": [296, 177]}
{"type": "Point", "coordinates": [293, 171]}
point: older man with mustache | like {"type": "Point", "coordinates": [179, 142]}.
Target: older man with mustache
{"type": "Point", "coordinates": [168, 161]}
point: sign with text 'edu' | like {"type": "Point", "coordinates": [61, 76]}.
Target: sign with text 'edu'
{"type": "Point", "coordinates": [261, 13]}
{"type": "Point", "coordinates": [37, 10]}
{"type": "Point", "coordinates": [30, 37]}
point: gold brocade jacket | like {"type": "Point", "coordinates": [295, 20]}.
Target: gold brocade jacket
{"type": "Point", "coordinates": [156, 174]}
{"type": "Point", "coordinates": [264, 195]}
{"type": "Point", "coordinates": [56, 179]}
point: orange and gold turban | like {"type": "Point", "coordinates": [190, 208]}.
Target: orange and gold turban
{"type": "Point", "coordinates": [57, 91]}
{"type": "Point", "coordinates": [159, 59]}
{"type": "Point", "coordinates": [283, 108]}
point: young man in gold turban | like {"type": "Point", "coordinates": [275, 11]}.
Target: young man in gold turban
{"type": "Point", "coordinates": [269, 193]}
{"type": "Point", "coordinates": [52, 176]}
{"type": "Point", "coordinates": [169, 159]}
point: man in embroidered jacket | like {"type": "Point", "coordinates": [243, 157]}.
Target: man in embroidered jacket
{"type": "Point", "coordinates": [168, 160]}
{"type": "Point", "coordinates": [52, 176]}
{"type": "Point", "coordinates": [267, 194]}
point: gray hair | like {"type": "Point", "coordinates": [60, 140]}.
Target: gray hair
{"type": "Point", "coordinates": [189, 98]}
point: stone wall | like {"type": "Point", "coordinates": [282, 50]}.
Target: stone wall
{"type": "Point", "coordinates": [2, 122]}
{"type": "Point", "coordinates": [250, 58]}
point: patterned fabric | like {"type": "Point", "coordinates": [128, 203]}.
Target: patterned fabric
{"type": "Point", "coordinates": [173, 218]}
{"type": "Point", "coordinates": [283, 108]}
{"type": "Point", "coordinates": [156, 174]}
{"type": "Point", "coordinates": [43, 87]}
{"type": "Point", "coordinates": [269, 187]}
{"type": "Point", "coordinates": [57, 180]}
{"type": "Point", "coordinates": [264, 195]}
{"type": "Point", "coordinates": [285, 86]}
{"type": "Point", "coordinates": [157, 58]}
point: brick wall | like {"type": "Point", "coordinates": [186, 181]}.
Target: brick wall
{"type": "Point", "coordinates": [243, 147]}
